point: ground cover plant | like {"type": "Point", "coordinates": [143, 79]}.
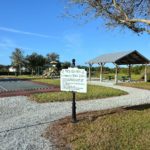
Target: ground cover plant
{"type": "Point", "coordinates": [141, 85]}
{"type": "Point", "coordinates": [121, 128]}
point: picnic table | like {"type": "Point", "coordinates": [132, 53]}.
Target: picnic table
{"type": "Point", "coordinates": [110, 77]}
{"type": "Point", "coordinates": [124, 78]}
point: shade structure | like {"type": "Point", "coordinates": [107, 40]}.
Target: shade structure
{"type": "Point", "coordinates": [121, 58]}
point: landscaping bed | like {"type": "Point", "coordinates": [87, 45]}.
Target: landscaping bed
{"type": "Point", "coordinates": [122, 128]}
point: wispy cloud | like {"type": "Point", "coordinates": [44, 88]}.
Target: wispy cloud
{"type": "Point", "coordinates": [73, 41]}
{"type": "Point", "coordinates": [27, 33]}
{"type": "Point", "coordinates": [7, 44]}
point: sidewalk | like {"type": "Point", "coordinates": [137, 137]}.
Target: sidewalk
{"type": "Point", "coordinates": [22, 121]}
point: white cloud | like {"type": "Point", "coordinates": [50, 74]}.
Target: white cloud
{"type": "Point", "coordinates": [27, 33]}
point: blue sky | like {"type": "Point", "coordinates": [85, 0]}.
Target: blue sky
{"type": "Point", "coordinates": [37, 26]}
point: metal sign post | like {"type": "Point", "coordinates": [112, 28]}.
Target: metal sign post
{"type": "Point", "coordinates": [73, 80]}
{"type": "Point", "coordinates": [74, 119]}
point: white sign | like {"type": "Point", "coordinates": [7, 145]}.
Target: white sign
{"type": "Point", "coordinates": [73, 79]}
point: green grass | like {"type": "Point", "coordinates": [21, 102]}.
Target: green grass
{"type": "Point", "coordinates": [94, 92]}
{"type": "Point", "coordinates": [142, 85]}
{"type": "Point", "coordinates": [20, 76]}
{"type": "Point", "coordinates": [106, 76]}
{"type": "Point", "coordinates": [35, 78]}
{"type": "Point", "coordinates": [118, 129]}
{"type": "Point", "coordinates": [134, 76]}
{"type": "Point", "coordinates": [49, 81]}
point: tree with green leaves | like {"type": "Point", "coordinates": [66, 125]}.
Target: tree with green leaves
{"type": "Point", "coordinates": [17, 59]}
{"type": "Point", "coordinates": [133, 14]}
{"type": "Point", "coordinates": [34, 62]}
{"type": "Point", "coordinates": [66, 65]}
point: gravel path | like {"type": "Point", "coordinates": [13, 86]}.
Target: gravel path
{"type": "Point", "coordinates": [22, 121]}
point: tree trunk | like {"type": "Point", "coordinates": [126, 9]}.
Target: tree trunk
{"type": "Point", "coordinates": [32, 71]}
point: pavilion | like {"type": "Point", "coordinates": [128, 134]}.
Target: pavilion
{"type": "Point", "coordinates": [120, 58]}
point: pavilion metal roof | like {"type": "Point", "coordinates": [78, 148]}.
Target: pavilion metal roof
{"type": "Point", "coordinates": [121, 58]}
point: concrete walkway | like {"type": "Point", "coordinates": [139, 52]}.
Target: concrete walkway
{"type": "Point", "coordinates": [22, 121]}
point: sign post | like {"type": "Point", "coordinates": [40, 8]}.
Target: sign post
{"type": "Point", "coordinates": [73, 80]}
{"type": "Point", "coordinates": [74, 119]}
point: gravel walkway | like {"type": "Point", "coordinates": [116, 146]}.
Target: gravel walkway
{"type": "Point", "coordinates": [22, 121]}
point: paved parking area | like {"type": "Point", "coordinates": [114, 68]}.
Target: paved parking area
{"type": "Point", "coordinates": [12, 84]}
{"type": "Point", "coordinates": [17, 87]}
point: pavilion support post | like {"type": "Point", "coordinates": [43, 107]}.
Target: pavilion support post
{"type": "Point", "coordinates": [90, 66]}
{"type": "Point", "coordinates": [145, 76]}
{"type": "Point", "coordinates": [116, 75]}
{"type": "Point", "coordinates": [129, 72]}
{"type": "Point", "coordinates": [101, 72]}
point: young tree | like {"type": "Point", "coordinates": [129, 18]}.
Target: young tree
{"type": "Point", "coordinates": [133, 14]}
{"type": "Point", "coordinates": [17, 59]}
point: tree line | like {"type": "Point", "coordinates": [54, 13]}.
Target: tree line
{"type": "Point", "coordinates": [35, 62]}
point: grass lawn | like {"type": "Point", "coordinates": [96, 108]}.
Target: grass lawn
{"type": "Point", "coordinates": [34, 78]}
{"type": "Point", "coordinates": [94, 92]}
{"type": "Point", "coordinates": [142, 85]}
{"type": "Point", "coordinates": [20, 76]}
{"type": "Point", "coordinates": [117, 129]}
{"type": "Point", "coordinates": [106, 76]}
{"type": "Point", "coordinates": [49, 81]}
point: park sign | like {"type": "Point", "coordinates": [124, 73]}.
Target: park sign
{"type": "Point", "coordinates": [74, 80]}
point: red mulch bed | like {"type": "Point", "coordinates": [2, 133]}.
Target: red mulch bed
{"type": "Point", "coordinates": [28, 92]}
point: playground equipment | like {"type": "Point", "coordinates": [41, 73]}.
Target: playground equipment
{"type": "Point", "coordinates": [51, 72]}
